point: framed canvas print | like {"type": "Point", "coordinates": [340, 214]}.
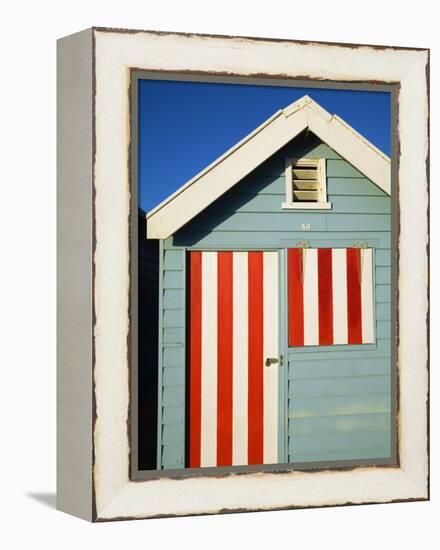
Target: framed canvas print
{"type": "Point", "coordinates": [242, 274]}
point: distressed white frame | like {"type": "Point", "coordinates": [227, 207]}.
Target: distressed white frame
{"type": "Point", "coordinates": [322, 203]}
{"type": "Point", "coordinates": [115, 495]}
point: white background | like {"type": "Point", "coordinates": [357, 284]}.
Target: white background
{"type": "Point", "coordinates": [27, 273]}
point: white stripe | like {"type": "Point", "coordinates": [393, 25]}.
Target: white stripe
{"type": "Point", "coordinates": [339, 269]}
{"type": "Point", "coordinates": [270, 349]}
{"type": "Point", "coordinates": [311, 312]}
{"type": "Point", "coordinates": [367, 296]}
{"type": "Point", "coordinates": [240, 360]}
{"type": "Point", "coordinates": [209, 360]}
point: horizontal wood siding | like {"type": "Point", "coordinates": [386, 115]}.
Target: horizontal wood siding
{"type": "Point", "coordinates": [339, 404]}
{"type": "Point", "coordinates": [172, 407]}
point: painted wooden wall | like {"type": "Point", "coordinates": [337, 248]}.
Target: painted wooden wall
{"type": "Point", "coordinates": [171, 450]}
{"type": "Point", "coordinates": [339, 400]}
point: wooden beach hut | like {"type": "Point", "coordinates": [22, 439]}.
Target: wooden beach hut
{"type": "Point", "coordinates": [275, 298]}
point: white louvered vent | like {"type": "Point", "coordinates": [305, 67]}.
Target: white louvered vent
{"type": "Point", "coordinates": [306, 181]}
{"type": "Point", "coordinates": [306, 184]}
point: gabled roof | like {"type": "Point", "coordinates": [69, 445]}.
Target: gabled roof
{"type": "Point", "coordinates": [226, 171]}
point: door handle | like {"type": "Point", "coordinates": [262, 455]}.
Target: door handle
{"type": "Point", "coordinates": [270, 361]}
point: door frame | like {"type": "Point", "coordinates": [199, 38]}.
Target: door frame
{"type": "Point", "coordinates": [283, 378]}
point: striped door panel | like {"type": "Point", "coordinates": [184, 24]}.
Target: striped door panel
{"type": "Point", "coordinates": [330, 294]}
{"type": "Point", "coordinates": [233, 328]}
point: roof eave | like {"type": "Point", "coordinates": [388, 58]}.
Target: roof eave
{"type": "Point", "coordinates": [217, 178]}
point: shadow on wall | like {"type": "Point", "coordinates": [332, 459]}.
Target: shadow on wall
{"type": "Point", "coordinates": [148, 323]}
{"type": "Point", "coordinates": [245, 191]}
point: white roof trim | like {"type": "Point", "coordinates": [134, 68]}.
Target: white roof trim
{"type": "Point", "coordinates": [227, 170]}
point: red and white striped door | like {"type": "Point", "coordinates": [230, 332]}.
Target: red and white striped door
{"type": "Point", "coordinates": [233, 329]}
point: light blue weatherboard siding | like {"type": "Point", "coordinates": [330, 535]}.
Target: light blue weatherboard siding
{"type": "Point", "coordinates": [339, 404]}
{"type": "Point", "coordinates": [172, 394]}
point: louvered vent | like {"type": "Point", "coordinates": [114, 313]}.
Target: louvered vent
{"type": "Point", "coordinates": [306, 181]}
{"type": "Point", "coordinates": [306, 184]}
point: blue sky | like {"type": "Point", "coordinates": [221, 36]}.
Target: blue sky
{"type": "Point", "coordinates": [184, 126]}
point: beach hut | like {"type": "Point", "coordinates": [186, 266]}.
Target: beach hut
{"type": "Point", "coordinates": [274, 338]}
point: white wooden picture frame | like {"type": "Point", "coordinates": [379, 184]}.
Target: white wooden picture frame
{"type": "Point", "coordinates": [94, 286]}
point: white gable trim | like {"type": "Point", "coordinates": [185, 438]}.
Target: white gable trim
{"type": "Point", "coordinates": [226, 171]}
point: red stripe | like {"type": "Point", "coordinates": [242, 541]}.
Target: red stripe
{"type": "Point", "coordinates": [224, 360]}
{"type": "Point", "coordinates": [325, 296]}
{"type": "Point", "coordinates": [255, 358]}
{"type": "Point", "coordinates": [195, 358]}
{"type": "Point", "coordinates": [354, 302]}
{"type": "Point", "coordinates": [295, 296]}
